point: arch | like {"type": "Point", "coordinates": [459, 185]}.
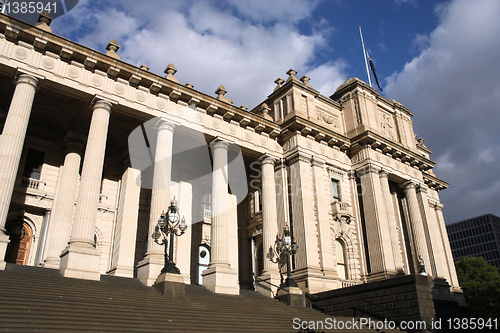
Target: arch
{"type": "Point", "coordinates": [97, 238]}
{"type": "Point", "coordinates": [203, 261]}
{"type": "Point", "coordinates": [341, 259]}
{"type": "Point", "coordinates": [21, 232]}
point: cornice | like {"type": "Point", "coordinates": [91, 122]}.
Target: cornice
{"type": "Point", "coordinates": [306, 127]}
{"type": "Point", "coordinates": [375, 141]}
{"type": "Point", "coordinates": [434, 182]}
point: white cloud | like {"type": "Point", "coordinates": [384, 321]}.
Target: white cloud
{"type": "Point", "coordinates": [452, 87]}
{"type": "Point", "coordinates": [239, 44]}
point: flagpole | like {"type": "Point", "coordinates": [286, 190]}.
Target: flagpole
{"type": "Point", "coordinates": [366, 61]}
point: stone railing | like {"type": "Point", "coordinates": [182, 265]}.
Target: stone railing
{"type": "Point", "coordinates": [341, 211]}
{"type": "Point", "coordinates": [349, 283]}
{"type": "Point", "coordinates": [207, 215]}
{"type": "Point", "coordinates": [33, 184]}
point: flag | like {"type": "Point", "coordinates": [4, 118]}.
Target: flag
{"type": "Point", "coordinates": [372, 66]}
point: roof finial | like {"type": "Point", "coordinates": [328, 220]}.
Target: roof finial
{"type": "Point", "coordinates": [279, 83]}
{"type": "Point", "coordinates": [112, 47]}
{"type": "Point", "coordinates": [44, 21]}
{"type": "Point", "coordinates": [221, 91]}
{"type": "Point", "coordinates": [170, 71]}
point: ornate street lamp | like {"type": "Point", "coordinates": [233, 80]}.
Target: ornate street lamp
{"type": "Point", "coordinates": [168, 224]}
{"type": "Point", "coordinates": [286, 245]}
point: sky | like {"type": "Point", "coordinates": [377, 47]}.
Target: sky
{"type": "Point", "coordinates": [438, 58]}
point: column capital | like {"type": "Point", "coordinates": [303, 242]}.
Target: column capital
{"type": "Point", "coordinates": [383, 174]}
{"type": "Point", "coordinates": [102, 103]}
{"type": "Point", "coordinates": [368, 169]}
{"type": "Point", "coordinates": [432, 203]}
{"type": "Point", "coordinates": [164, 124]}
{"type": "Point", "coordinates": [409, 185]}
{"type": "Point", "coordinates": [422, 188]}
{"type": "Point", "coordinates": [298, 156]}
{"type": "Point", "coordinates": [266, 159]}
{"type": "Point", "coordinates": [219, 144]}
{"type": "Point", "coordinates": [317, 162]}
{"type": "Point", "coordinates": [22, 77]}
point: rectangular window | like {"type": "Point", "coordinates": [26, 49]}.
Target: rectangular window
{"type": "Point", "coordinates": [33, 165]}
{"type": "Point", "coordinates": [207, 198]}
{"type": "Point", "coordinates": [335, 190]}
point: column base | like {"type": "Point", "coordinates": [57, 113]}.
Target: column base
{"type": "Point", "coordinates": [4, 241]}
{"type": "Point", "coordinates": [149, 268]}
{"type": "Point", "coordinates": [221, 280]}
{"type": "Point", "coordinates": [127, 272]}
{"type": "Point", "coordinates": [52, 262]}
{"type": "Point", "coordinates": [292, 296]}
{"type": "Point", "coordinates": [171, 285]}
{"type": "Point", "coordinates": [80, 261]}
{"type": "Point", "coordinates": [378, 276]}
{"type": "Point", "coordinates": [269, 287]}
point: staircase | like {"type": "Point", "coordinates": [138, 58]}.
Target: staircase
{"type": "Point", "coordinates": [34, 299]}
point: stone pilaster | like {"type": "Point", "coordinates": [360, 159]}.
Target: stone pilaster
{"type": "Point", "coordinates": [124, 238]}
{"type": "Point", "coordinates": [64, 205]}
{"type": "Point", "coordinates": [81, 259]}
{"type": "Point", "coordinates": [12, 141]}
{"type": "Point", "coordinates": [452, 278]}
{"type": "Point", "coordinates": [220, 277]}
{"type": "Point", "coordinates": [323, 207]}
{"type": "Point", "coordinates": [304, 221]}
{"type": "Point", "coordinates": [150, 267]}
{"type": "Point", "coordinates": [432, 232]}
{"type": "Point", "coordinates": [270, 272]}
{"type": "Point", "coordinates": [391, 217]}
{"type": "Point", "coordinates": [417, 226]}
{"type": "Point", "coordinates": [437, 251]}
{"type": "Point", "coordinates": [377, 225]}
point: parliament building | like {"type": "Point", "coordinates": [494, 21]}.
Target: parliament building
{"type": "Point", "coordinates": [93, 149]}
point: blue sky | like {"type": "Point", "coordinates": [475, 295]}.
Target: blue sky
{"type": "Point", "coordinates": [438, 58]}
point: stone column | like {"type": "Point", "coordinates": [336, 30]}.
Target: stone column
{"type": "Point", "coordinates": [124, 238]}
{"type": "Point", "coordinates": [391, 217]}
{"type": "Point", "coordinates": [417, 226]}
{"type": "Point", "coordinates": [149, 268]}
{"type": "Point", "coordinates": [220, 277]}
{"type": "Point", "coordinates": [12, 141]}
{"type": "Point", "coordinates": [380, 250]}
{"type": "Point", "coordinates": [270, 272]}
{"type": "Point", "coordinates": [64, 205]}
{"type": "Point", "coordinates": [81, 259]}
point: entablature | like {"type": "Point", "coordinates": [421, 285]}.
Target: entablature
{"type": "Point", "coordinates": [375, 141]}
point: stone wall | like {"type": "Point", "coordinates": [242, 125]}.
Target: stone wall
{"type": "Point", "coordinates": [405, 298]}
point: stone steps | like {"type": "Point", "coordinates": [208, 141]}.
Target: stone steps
{"type": "Point", "coordinates": [34, 299]}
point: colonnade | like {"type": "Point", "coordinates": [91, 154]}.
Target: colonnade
{"type": "Point", "coordinates": [386, 252]}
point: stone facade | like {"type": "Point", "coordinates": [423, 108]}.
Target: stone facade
{"type": "Point", "coordinates": [345, 173]}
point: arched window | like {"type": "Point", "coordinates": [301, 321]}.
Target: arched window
{"type": "Point", "coordinates": [341, 259]}
{"type": "Point", "coordinates": [203, 261]}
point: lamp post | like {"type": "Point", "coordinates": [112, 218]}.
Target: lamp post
{"type": "Point", "coordinates": [168, 224]}
{"type": "Point", "coordinates": [285, 244]}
